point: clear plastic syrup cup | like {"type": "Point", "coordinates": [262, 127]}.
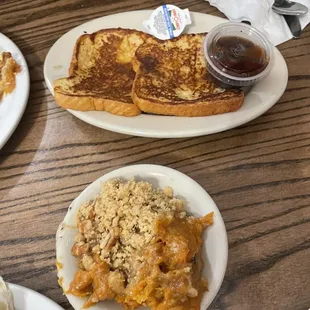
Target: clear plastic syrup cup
{"type": "Point", "coordinates": [223, 61]}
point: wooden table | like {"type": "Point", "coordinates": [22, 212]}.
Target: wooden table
{"type": "Point", "coordinates": [258, 174]}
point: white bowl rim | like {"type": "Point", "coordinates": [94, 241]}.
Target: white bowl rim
{"type": "Point", "coordinates": [150, 169]}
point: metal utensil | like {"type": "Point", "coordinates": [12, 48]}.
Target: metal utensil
{"type": "Point", "coordinates": [286, 7]}
{"type": "Point", "coordinates": [294, 25]}
{"type": "Point", "coordinates": [291, 20]}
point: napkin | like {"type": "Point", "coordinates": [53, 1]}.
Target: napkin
{"type": "Point", "coordinates": [261, 16]}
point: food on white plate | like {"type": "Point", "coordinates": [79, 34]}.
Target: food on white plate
{"type": "Point", "coordinates": [124, 72]}
{"type": "Point", "coordinates": [101, 74]}
{"type": "Point", "coordinates": [8, 70]}
{"type": "Point", "coordinates": [6, 297]}
{"type": "Point", "coordinates": [172, 79]}
{"type": "Point", "coordinates": [137, 245]}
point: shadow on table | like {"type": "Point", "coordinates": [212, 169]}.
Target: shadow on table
{"type": "Point", "coordinates": [28, 121]}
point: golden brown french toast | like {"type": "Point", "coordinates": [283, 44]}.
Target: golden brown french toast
{"type": "Point", "coordinates": [171, 79]}
{"type": "Point", "coordinates": [101, 74]}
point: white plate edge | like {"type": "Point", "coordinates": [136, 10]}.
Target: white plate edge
{"type": "Point", "coordinates": [13, 127]}
{"type": "Point", "coordinates": [165, 171]}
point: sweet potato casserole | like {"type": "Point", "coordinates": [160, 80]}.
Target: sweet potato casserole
{"type": "Point", "coordinates": [8, 69]}
{"type": "Point", "coordinates": [137, 245]}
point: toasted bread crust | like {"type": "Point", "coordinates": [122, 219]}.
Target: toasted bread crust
{"type": "Point", "coordinates": [113, 68]}
{"type": "Point", "coordinates": [74, 60]}
{"type": "Point", "coordinates": [171, 79]}
{"type": "Point", "coordinates": [203, 108]}
{"type": "Point", "coordinates": [88, 103]}
{"type": "Point", "coordinates": [96, 89]}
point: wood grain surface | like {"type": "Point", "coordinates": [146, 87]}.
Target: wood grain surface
{"type": "Point", "coordinates": [258, 174]}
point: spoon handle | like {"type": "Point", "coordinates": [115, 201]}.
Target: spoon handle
{"type": "Point", "coordinates": [294, 25]}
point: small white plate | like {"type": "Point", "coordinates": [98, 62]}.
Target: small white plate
{"type": "Point", "coordinates": [198, 202]}
{"type": "Point", "coordinates": [26, 299]}
{"type": "Point", "coordinates": [260, 99]}
{"type": "Point", "coordinates": [13, 105]}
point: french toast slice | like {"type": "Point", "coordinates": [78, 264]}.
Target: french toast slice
{"type": "Point", "coordinates": [101, 74]}
{"type": "Point", "coordinates": [172, 79]}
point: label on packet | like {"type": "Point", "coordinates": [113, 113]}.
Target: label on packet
{"type": "Point", "coordinates": [167, 22]}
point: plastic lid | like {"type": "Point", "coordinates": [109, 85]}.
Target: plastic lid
{"type": "Point", "coordinates": [237, 53]}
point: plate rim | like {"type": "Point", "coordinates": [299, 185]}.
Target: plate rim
{"type": "Point", "coordinates": [24, 101]}
{"type": "Point", "coordinates": [118, 127]}
{"type": "Point", "coordinates": [14, 287]}
{"type": "Point", "coordinates": [152, 169]}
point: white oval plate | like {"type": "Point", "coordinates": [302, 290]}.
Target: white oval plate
{"type": "Point", "coordinates": [260, 99]}
{"type": "Point", "coordinates": [198, 202]}
{"type": "Point", "coordinates": [12, 106]}
{"type": "Point", "coordinates": [26, 299]}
